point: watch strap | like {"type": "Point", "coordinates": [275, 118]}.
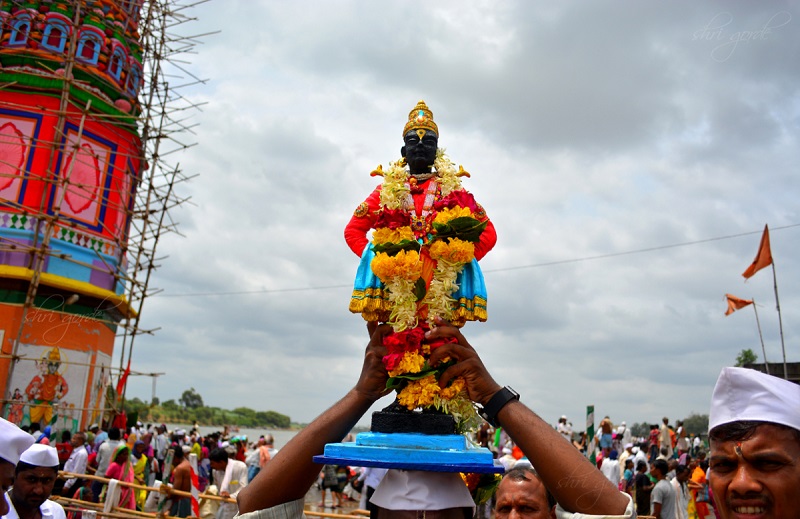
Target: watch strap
{"type": "Point", "coordinates": [496, 403]}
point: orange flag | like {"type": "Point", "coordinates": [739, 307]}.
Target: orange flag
{"type": "Point", "coordinates": [763, 258]}
{"type": "Point", "coordinates": [734, 303]}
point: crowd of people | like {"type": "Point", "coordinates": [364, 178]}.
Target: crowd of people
{"type": "Point", "coordinates": [96, 460]}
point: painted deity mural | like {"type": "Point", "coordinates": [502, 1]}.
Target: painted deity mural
{"type": "Point", "coordinates": [71, 159]}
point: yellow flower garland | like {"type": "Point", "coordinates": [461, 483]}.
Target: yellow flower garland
{"type": "Point", "coordinates": [403, 265]}
{"type": "Point", "coordinates": [386, 235]}
{"type": "Point", "coordinates": [451, 213]}
{"type": "Point", "coordinates": [412, 362]}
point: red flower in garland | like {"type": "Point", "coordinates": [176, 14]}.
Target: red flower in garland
{"type": "Point", "coordinates": [392, 360]}
{"type": "Point", "coordinates": [407, 340]}
{"type": "Point", "coordinates": [393, 219]}
{"type": "Point", "coordinates": [441, 341]}
{"type": "Point", "coordinates": [460, 198]}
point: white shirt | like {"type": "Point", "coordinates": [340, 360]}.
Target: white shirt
{"type": "Point", "coordinates": [625, 433]}
{"type": "Point", "coordinates": [162, 443]}
{"type": "Point", "coordinates": [76, 464]}
{"type": "Point", "coordinates": [232, 480]}
{"type": "Point", "coordinates": [610, 469]}
{"type": "Point", "coordinates": [565, 430]}
{"type": "Point", "coordinates": [104, 454]}
{"type": "Point", "coordinates": [372, 476]}
{"type": "Point", "coordinates": [49, 510]}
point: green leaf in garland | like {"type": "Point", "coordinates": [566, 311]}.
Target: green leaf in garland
{"type": "Point", "coordinates": [398, 380]}
{"type": "Point", "coordinates": [392, 249]}
{"type": "Point", "coordinates": [419, 289]}
{"type": "Point", "coordinates": [464, 228]}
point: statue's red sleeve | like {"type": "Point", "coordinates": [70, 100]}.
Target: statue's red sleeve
{"type": "Point", "coordinates": [486, 242]}
{"type": "Point", "coordinates": [355, 234]}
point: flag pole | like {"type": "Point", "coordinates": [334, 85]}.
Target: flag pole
{"type": "Point", "coordinates": [761, 336]}
{"type": "Point", "coordinates": [780, 320]}
{"type": "Point", "coordinates": [590, 446]}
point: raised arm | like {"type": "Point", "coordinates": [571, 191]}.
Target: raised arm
{"type": "Point", "coordinates": [290, 474]}
{"type": "Point", "coordinates": [575, 483]}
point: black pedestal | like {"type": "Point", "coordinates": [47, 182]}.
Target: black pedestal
{"type": "Point", "coordinates": [413, 422]}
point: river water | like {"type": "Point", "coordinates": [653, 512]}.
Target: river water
{"type": "Point", "coordinates": [282, 436]}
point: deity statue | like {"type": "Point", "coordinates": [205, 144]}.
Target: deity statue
{"type": "Point", "coordinates": [421, 263]}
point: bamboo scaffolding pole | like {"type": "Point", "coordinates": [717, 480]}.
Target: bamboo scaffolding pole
{"type": "Point", "coordinates": [337, 516]}
{"type": "Point", "coordinates": [170, 491]}
{"type": "Point", "coordinates": [99, 513]}
{"type": "Point", "coordinates": [126, 514]}
{"type": "Point", "coordinates": [120, 515]}
{"type": "Point", "coordinates": [77, 502]}
{"type": "Point", "coordinates": [134, 512]}
{"type": "Point", "coordinates": [123, 513]}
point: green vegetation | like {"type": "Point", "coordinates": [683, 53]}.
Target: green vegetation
{"type": "Point", "coordinates": [747, 356]}
{"type": "Point", "coordinates": [189, 408]}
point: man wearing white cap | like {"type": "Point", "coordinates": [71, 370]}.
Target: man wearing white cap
{"type": "Point", "coordinates": [13, 442]}
{"type": "Point", "coordinates": [564, 429]}
{"type": "Point", "coordinates": [624, 434]}
{"type": "Point", "coordinates": [578, 487]}
{"type": "Point", "coordinates": [754, 432]}
{"type": "Point", "coordinates": [36, 474]}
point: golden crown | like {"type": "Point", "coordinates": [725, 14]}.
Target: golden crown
{"type": "Point", "coordinates": [420, 118]}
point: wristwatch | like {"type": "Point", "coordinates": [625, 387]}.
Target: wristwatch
{"type": "Point", "coordinates": [497, 402]}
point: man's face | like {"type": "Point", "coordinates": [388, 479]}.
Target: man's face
{"type": "Point", "coordinates": [420, 152]}
{"type": "Point", "coordinates": [33, 486]}
{"type": "Point", "coordinates": [219, 465]}
{"type": "Point", "coordinates": [522, 499]}
{"type": "Point", "coordinates": [6, 480]}
{"type": "Point", "coordinates": [758, 477]}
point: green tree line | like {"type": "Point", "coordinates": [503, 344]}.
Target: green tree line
{"type": "Point", "coordinates": [190, 408]}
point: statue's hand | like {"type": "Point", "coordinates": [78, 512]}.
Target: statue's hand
{"type": "Point", "coordinates": [372, 382]}
{"type": "Point", "coordinates": [480, 384]}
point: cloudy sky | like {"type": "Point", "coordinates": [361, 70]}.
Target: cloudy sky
{"type": "Point", "coordinates": [628, 153]}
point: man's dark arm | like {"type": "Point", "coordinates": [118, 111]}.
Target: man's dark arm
{"type": "Point", "coordinates": [657, 510]}
{"type": "Point", "coordinates": [290, 474]}
{"type": "Point", "coordinates": [575, 483]}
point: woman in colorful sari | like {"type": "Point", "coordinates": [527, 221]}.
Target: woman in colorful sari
{"type": "Point", "coordinates": [141, 470]}
{"type": "Point", "coordinates": [82, 494]}
{"type": "Point", "coordinates": [122, 470]}
{"type": "Point", "coordinates": [698, 485]}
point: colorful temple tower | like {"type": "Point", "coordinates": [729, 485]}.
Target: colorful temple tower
{"type": "Point", "coordinates": [80, 206]}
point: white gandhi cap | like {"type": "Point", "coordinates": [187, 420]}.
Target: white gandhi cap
{"type": "Point", "coordinates": [13, 441]}
{"type": "Point", "coordinates": [743, 394]}
{"type": "Point", "coordinates": [418, 490]}
{"type": "Point", "coordinates": [40, 455]}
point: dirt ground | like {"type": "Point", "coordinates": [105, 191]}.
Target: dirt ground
{"type": "Point", "coordinates": [313, 499]}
